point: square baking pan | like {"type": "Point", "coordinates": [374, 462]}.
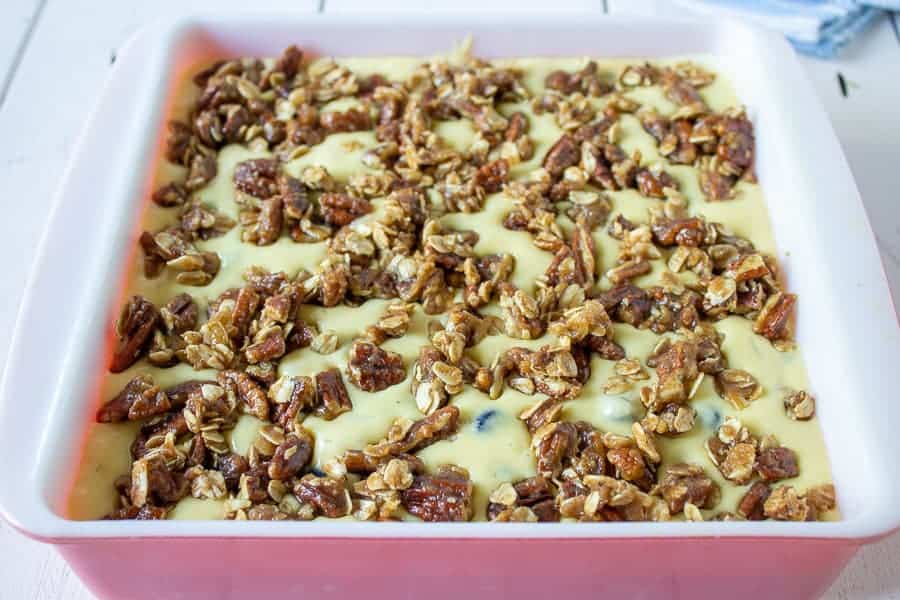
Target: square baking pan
{"type": "Point", "coordinates": [847, 328]}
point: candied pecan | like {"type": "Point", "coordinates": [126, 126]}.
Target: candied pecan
{"type": "Point", "coordinates": [518, 126]}
{"type": "Point", "coordinates": [679, 90]}
{"type": "Point", "coordinates": [372, 368]}
{"type": "Point", "coordinates": [443, 496]}
{"type": "Point", "coordinates": [153, 483]}
{"type": "Point", "coordinates": [340, 209]}
{"type": "Point", "coordinates": [138, 320]}
{"type": "Point", "coordinates": [268, 222]}
{"type": "Point", "coordinates": [774, 320]}
{"type": "Point", "coordinates": [491, 176]}
{"type": "Point", "coordinates": [359, 462]}
{"type": "Point", "coordinates": [542, 413]}
{"type": "Point", "coordinates": [344, 121]}
{"type": "Point", "coordinates": [201, 170]}
{"type": "Point", "coordinates": [174, 423]}
{"type": "Point", "coordinates": [628, 270]}
{"type": "Point", "coordinates": [329, 497]}
{"type": "Point", "coordinates": [628, 462]}
{"type": "Point", "coordinates": [291, 456]}
{"type": "Point", "coordinates": [627, 303]}
{"type": "Point", "coordinates": [291, 396]}
{"type": "Point", "coordinates": [171, 194]}
{"type": "Point", "coordinates": [257, 177]}
{"type": "Point", "coordinates": [140, 398]}
{"type": "Point", "coordinates": [687, 483]}
{"type": "Point", "coordinates": [254, 484]}
{"type": "Point", "coordinates": [437, 426]}
{"type": "Point", "coordinates": [268, 344]}
{"type": "Point", "coordinates": [714, 185]}
{"type": "Point", "coordinates": [179, 314]}
{"type": "Point", "coordinates": [289, 61]}
{"type": "Point", "coordinates": [178, 143]}
{"type": "Point", "coordinates": [738, 387]}
{"type": "Point", "coordinates": [331, 395]}
{"type": "Point", "coordinates": [201, 222]}
{"type": "Point", "coordinates": [604, 347]}
{"type": "Point", "coordinates": [774, 464]}
{"type": "Point", "coordinates": [247, 391]}
{"type": "Point", "coordinates": [751, 505]}
{"type": "Point", "coordinates": [652, 184]}
{"type": "Point", "coordinates": [563, 154]}
{"type": "Point", "coordinates": [785, 504]}
{"type": "Point", "coordinates": [821, 499]}
{"type": "Point", "coordinates": [681, 232]}
{"type": "Point", "coordinates": [552, 444]}
{"type": "Point", "coordinates": [232, 466]}
{"type": "Point", "coordinates": [534, 494]}
{"type": "Point", "coordinates": [676, 369]}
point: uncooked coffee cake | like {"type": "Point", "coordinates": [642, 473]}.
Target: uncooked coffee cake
{"type": "Point", "coordinates": [454, 289]}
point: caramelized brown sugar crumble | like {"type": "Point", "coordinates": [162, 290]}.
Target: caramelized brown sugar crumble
{"type": "Point", "coordinates": [447, 290]}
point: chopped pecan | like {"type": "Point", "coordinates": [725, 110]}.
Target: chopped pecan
{"type": "Point", "coordinates": [372, 368]}
{"type": "Point", "coordinates": [774, 464]}
{"type": "Point", "coordinates": [232, 466]}
{"type": "Point", "coordinates": [341, 209]}
{"type": "Point", "coordinates": [329, 497]}
{"type": "Point", "coordinates": [345, 121]}
{"type": "Point", "coordinates": [687, 483]}
{"type": "Point", "coordinates": [774, 320]}
{"type": "Point", "coordinates": [291, 456]}
{"type": "Point", "coordinates": [443, 496]}
{"type": "Point", "coordinates": [681, 232]}
{"type": "Point", "coordinates": [738, 387]}
{"type": "Point", "coordinates": [140, 398]}
{"type": "Point", "coordinates": [331, 395]}
{"type": "Point", "coordinates": [437, 426]}
{"type": "Point", "coordinates": [785, 504]}
{"type": "Point", "coordinates": [153, 483]}
{"type": "Point", "coordinates": [171, 194]}
{"type": "Point", "coordinates": [751, 505]}
{"type": "Point", "coordinates": [247, 391]}
{"type": "Point", "coordinates": [138, 320]}
{"type": "Point", "coordinates": [179, 314]}
{"type": "Point", "coordinates": [257, 177]}
{"type": "Point", "coordinates": [491, 176]}
{"type": "Point", "coordinates": [714, 185]}
{"type": "Point", "coordinates": [563, 154]}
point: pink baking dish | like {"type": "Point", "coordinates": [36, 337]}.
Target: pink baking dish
{"type": "Point", "coordinates": [847, 327]}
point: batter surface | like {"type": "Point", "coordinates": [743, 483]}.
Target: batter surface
{"type": "Point", "coordinates": [658, 382]}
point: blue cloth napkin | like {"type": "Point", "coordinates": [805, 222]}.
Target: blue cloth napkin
{"type": "Point", "coordinates": [815, 27]}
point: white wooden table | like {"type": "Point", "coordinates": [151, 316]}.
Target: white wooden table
{"type": "Point", "coordinates": [55, 53]}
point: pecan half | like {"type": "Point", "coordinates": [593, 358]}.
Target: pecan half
{"type": "Point", "coordinates": [341, 209]}
{"type": "Point", "coordinates": [139, 399]}
{"type": "Point", "coordinates": [291, 456]}
{"type": "Point", "coordinates": [774, 320]}
{"type": "Point", "coordinates": [443, 496]}
{"type": "Point", "coordinates": [329, 497]}
{"type": "Point", "coordinates": [331, 395]}
{"type": "Point", "coordinates": [138, 320]}
{"type": "Point", "coordinates": [374, 369]}
{"type": "Point", "coordinates": [774, 464]}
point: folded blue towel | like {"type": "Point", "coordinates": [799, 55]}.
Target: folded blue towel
{"type": "Point", "coordinates": [815, 27]}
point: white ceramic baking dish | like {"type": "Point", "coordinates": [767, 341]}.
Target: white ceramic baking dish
{"type": "Point", "coordinates": [847, 327]}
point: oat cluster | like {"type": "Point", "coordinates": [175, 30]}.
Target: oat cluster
{"type": "Point", "coordinates": [404, 253]}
